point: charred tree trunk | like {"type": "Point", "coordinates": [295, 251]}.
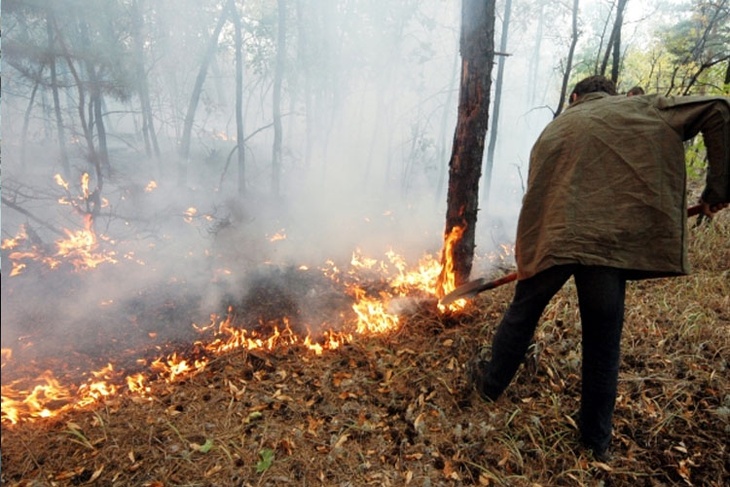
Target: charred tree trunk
{"type": "Point", "coordinates": [477, 54]}
{"type": "Point", "coordinates": [278, 76]}
{"type": "Point", "coordinates": [569, 61]}
{"type": "Point", "coordinates": [239, 101]}
{"type": "Point", "coordinates": [195, 98]}
{"type": "Point", "coordinates": [497, 102]}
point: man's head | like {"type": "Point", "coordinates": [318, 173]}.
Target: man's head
{"type": "Point", "coordinates": [593, 84]}
{"type": "Point", "coordinates": [636, 90]}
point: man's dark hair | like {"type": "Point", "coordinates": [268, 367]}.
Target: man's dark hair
{"type": "Point", "coordinates": [636, 90]}
{"type": "Point", "coordinates": [594, 84]}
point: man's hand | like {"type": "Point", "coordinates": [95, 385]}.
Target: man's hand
{"type": "Point", "coordinates": [709, 210]}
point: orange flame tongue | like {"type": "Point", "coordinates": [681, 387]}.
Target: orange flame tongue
{"type": "Point", "coordinates": [447, 279]}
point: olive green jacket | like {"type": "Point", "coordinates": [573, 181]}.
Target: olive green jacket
{"type": "Point", "coordinates": [607, 183]}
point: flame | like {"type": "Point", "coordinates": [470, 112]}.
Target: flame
{"type": "Point", "coordinates": [189, 214]}
{"type": "Point", "coordinates": [280, 235]}
{"type": "Point", "coordinates": [79, 248]}
{"type": "Point", "coordinates": [447, 278]}
{"type": "Point", "coordinates": [151, 186]}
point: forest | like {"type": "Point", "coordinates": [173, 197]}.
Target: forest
{"type": "Point", "coordinates": [227, 224]}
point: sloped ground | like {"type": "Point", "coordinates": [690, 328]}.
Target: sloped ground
{"type": "Point", "coordinates": [395, 409]}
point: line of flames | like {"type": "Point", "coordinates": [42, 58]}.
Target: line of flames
{"type": "Point", "coordinates": [46, 397]}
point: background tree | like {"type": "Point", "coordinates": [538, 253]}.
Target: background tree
{"type": "Point", "coordinates": [489, 163]}
{"type": "Point", "coordinates": [569, 59]}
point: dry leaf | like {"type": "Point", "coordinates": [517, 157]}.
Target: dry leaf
{"type": "Point", "coordinates": [341, 440]}
{"type": "Point", "coordinates": [96, 474]}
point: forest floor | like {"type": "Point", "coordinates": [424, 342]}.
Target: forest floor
{"type": "Point", "coordinates": [395, 409]}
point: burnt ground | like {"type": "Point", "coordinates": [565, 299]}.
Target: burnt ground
{"type": "Point", "coordinates": [394, 409]}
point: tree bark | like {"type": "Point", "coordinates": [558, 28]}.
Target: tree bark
{"type": "Point", "coordinates": [497, 102]}
{"type": "Point", "coordinates": [477, 53]}
{"type": "Point", "coordinates": [195, 98]}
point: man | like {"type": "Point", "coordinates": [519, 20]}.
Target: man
{"type": "Point", "coordinates": [605, 202]}
{"type": "Point", "coordinates": [636, 90]}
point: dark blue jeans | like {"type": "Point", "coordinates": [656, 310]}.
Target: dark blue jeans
{"type": "Point", "coordinates": [601, 293]}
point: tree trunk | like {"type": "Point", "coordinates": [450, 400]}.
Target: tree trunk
{"type": "Point", "coordinates": [442, 131]}
{"type": "Point", "coordinates": [195, 98]}
{"type": "Point", "coordinates": [534, 68]}
{"type": "Point", "coordinates": [613, 48]}
{"type": "Point", "coordinates": [26, 121]}
{"type": "Point", "coordinates": [497, 102]}
{"type": "Point", "coordinates": [239, 101]}
{"type": "Point", "coordinates": [85, 127]}
{"type": "Point", "coordinates": [65, 167]}
{"type": "Point", "coordinates": [152, 147]}
{"type": "Point", "coordinates": [569, 61]}
{"type": "Point", "coordinates": [96, 120]}
{"type": "Point", "coordinates": [278, 76]}
{"type": "Point", "coordinates": [477, 53]}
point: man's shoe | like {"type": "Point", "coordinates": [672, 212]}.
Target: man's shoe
{"type": "Point", "coordinates": [476, 373]}
{"type": "Point", "coordinates": [603, 456]}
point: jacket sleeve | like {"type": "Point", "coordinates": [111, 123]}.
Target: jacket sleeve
{"type": "Point", "coordinates": [709, 116]}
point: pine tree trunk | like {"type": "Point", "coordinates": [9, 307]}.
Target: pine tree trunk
{"type": "Point", "coordinates": [477, 53]}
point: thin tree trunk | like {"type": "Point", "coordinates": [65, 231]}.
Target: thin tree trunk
{"type": "Point", "coordinates": [26, 122]}
{"type": "Point", "coordinates": [569, 61]}
{"type": "Point", "coordinates": [613, 48]}
{"type": "Point", "coordinates": [534, 67]}
{"type": "Point", "coordinates": [278, 76]}
{"type": "Point", "coordinates": [442, 132]}
{"type": "Point", "coordinates": [477, 53]}
{"type": "Point", "coordinates": [85, 127]}
{"type": "Point", "coordinates": [239, 101]}
{"type": "Point", "coordinates": [96, 120]}
{"type": "Point", "coordinates": [304, 48]}
{"type": "Point", "coordinates": [497, 103]}
{"type": "Point", "coordinates": [195, 98]}
{"type": "Point", "coordinates": [152, 147]}
{"type": "Point", "coordinates": [65, 167]}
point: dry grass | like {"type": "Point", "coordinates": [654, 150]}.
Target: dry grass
{"type": "Point", "coordinates": [395, 410]}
